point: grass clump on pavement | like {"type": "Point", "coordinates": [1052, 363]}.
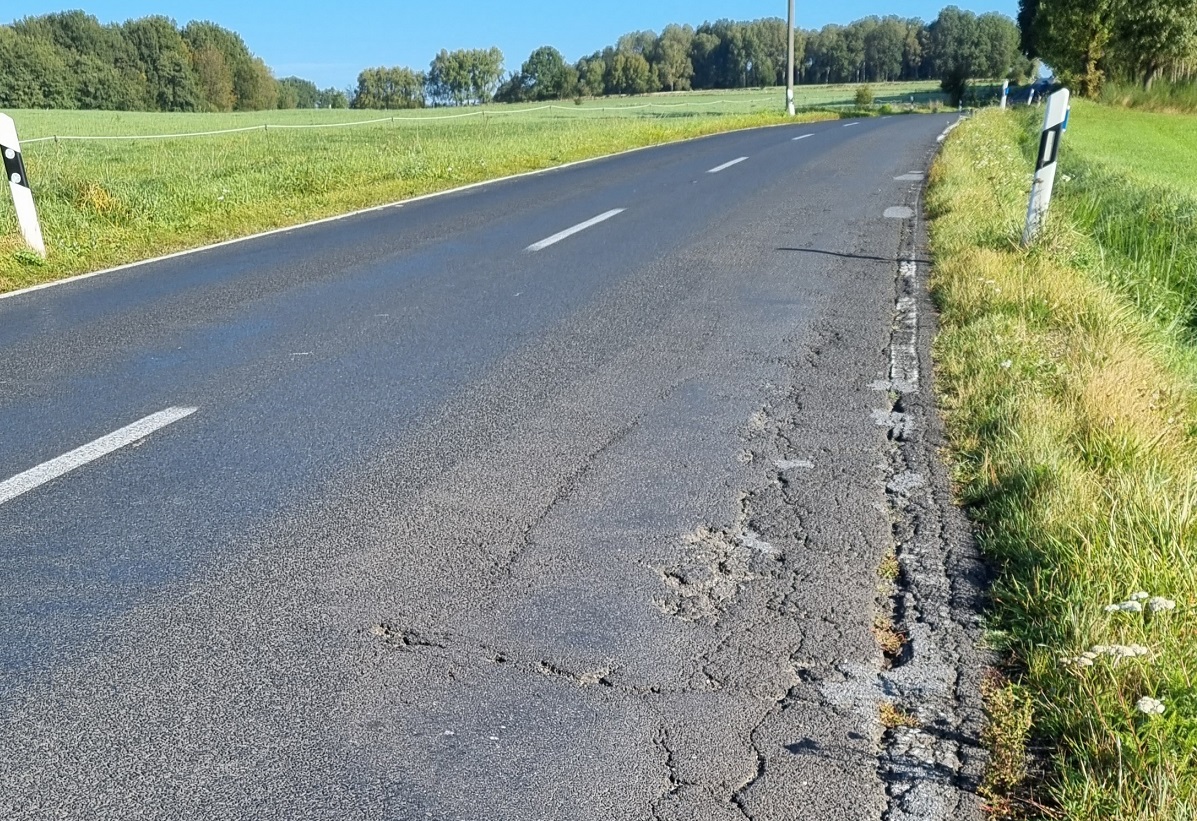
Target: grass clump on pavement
{"type": "Point", "coordinates": [1068, 378]}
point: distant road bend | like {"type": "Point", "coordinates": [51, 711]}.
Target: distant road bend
{"type": "Point", "coordinates": [562, 497]}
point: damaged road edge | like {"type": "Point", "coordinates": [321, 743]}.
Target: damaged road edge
{"type": "Point", "coordinates": [932, 764]}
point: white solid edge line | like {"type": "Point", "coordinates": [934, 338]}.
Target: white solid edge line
{"type": "Point", "coordinates": [719, 168]}
{"type": "Point", "coordinates": [849, 125]}
{"type": "Point", "coordinates": [569, 232]}
{"type": "Point", "coordinates": [47, 471]}
{"type": "Point", "coordinates": [803, 137]}
{"type": "Point", "coordinates": [397, 204]}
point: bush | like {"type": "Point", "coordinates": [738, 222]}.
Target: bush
{"type": "Point", "coordinates": [955, 85]}
{"type": "Point", "coordinates": [864, 95]}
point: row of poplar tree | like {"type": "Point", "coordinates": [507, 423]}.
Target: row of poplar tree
{"type": "Point", "coordinates": [71, 60]}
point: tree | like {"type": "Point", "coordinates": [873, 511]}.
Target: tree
{"type": "Point", "coordinates": [387, 88]}
{"type": "Point", "coordinates": [37, 73]}
{"type": "Point", "coordinates": [102, 68]}
{"type": "Point", "coordinates": [704, 57]}
{"type": "Point", "coordinates": [590, 74]}
{"type": "Point", "coordinates": [334, 98]}
{"type": "Point", "coordinates": [1073, 36]}
{"type": "Point", "coordinates": [255, 86]}
{"type": "Point", "coordinates": [672, 56]}
{"type": "Point", "coordinates": [297, 93]}
{"type": "Point", "coordinates": [215, 78]}
{"type": "Point", "coordinates": [912, 49]}
{"type": "Point", "coordinates": [465, 77]}
{"type": "Point", "coordinates": [884, 49]}
{"type": "Point", "coordinates": [164, 60]}
{"type": "Point", "coordinates": [954, 44]}
{"type": "Point", "coordinates": [998, 45]}
{"type": "Point", "coordinates": [629, 73]}
{"type": "Point", "coordinates": [832, 60]}
{"type": "Point", "coordinates": [1152, 34]}
{"type": "Point", "coordinates": [546, 76]}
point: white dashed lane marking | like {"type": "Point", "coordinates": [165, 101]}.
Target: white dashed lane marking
{"type": "Point", "coordinates": [569, 232]}
{"type": "Point", "coordinates": [47, 471]}
{"type": "Point", "coordinates": [719, 168]}
{"type": "Point", "coordinates": [803, 137]}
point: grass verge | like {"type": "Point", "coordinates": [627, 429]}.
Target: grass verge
{"type": "Point", "coordinates": [112, 202]}
{"type": "Point", "coordinates": [1068, 379]}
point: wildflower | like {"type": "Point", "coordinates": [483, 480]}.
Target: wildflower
{"type": "Point", "coordinates": [1006, 365]}
{"type": "Point", "coordinates": [1140, 596]}
{"type": "Point", "coordinates": [1131, 606]}
{"type": "Point", "coordinates": [1157, 603]}
{"type": "Point", "coordinates": [1116, 652]}
{"type": "Point", "coordinates": [1150, 706]}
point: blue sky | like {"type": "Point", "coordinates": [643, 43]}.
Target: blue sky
{"type": "Point", "coordinates": [330, 43]}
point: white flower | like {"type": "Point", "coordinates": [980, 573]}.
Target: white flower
{"type": "Point", "coordinates": [1150, 706]}
{"type": "Point", "coordinates": [1158, 603]}
{"type": "Point", "coordinates": [1140, 596]}
{"type": "Point", "coordinates": [1006, 365]}
{"type": "Point", "coordinates": [1117, 652]}
{"type": "Point", "coordinates": [1131, 606]}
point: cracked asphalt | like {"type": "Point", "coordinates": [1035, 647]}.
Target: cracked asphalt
{"type": "Point", "coordinates": [463, 530]}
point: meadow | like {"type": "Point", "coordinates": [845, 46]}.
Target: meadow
{"type": "Point", "coordinates": [1067, 373]}
{"type": "Point", "coordinates": [105, 200]}
{"type": "Point", "coordinates": [1154, 149]}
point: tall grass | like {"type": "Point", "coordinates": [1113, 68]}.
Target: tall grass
{"type": "Point", "coordinates": [1066, 375]}
{"type": "Point", "coordinates": [1162, 96]}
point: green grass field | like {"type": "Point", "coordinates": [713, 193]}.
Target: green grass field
{"type": "Point", "coordinates": [1154, 149]}
{"type": "Point", "coordinates": [111, 201]}
{"type": "Point", "coordinates": [1068, 378]}
{"type": "Point", "coordinates": [665, 105]}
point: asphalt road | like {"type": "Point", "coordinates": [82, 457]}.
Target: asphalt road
{"type": "Point", "coordinates": [455, 522]}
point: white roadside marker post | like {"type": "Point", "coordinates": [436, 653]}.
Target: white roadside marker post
{"type": "Point", "coordinates": [1055, 120]}
{"type": "Point", "coordinates": [18, 181]}
{"type": "Point", "coordinates": [1005, 92]}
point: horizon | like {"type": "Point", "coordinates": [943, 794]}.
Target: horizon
{"type": "Point", "coordinates": [274, 33]}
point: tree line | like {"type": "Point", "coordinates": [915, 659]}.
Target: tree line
{"type": "Point", "coordinates": [1089, 41]}
{"type": "Point", "coordinates": [731, 54]}
{"type": "Point", "coordinates": [70, 60]}
{"type": "Point", "coordinates": [722, 54]}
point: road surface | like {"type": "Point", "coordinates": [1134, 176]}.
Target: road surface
{"type": "Point", "coordinates": [562, 497]}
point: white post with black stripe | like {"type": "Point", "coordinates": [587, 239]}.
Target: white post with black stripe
{"type": "Point", "coordinates": [1005, 92]}
{"type": "Point", "coordinates": [1055, 120]}
{"type": "Point", "coordinates": [18, 181]}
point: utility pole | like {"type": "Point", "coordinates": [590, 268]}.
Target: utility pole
{"type": "Point", "coordinates": [790, 65]}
